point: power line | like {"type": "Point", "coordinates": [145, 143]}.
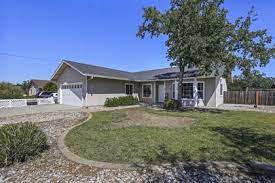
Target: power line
{"type": "Point", "coordinates": [27, 57]}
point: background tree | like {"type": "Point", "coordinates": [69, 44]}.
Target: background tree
{"type": "Point", "coordinates": [25, 86]}
{"type": "Point", "coordinates": [256, 80]}
{"type": "Point", "coordinates": [200, 33]}
{"type": "Point", "coordinates": [50, 86]}
{"type": "Point", "coordinates": [10, 91]}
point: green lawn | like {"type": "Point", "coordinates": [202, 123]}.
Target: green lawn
{"type": "Point", "coordinates": [227, 136]}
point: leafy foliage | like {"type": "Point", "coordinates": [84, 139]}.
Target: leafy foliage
{"type": "Point", "coordinates": [121, 101]}
{"type": "Point", "coordinates": [25, 85]}
{"type": "Point", "coordinates": [50, 86]}
{"type": "Point", "coordinates": [200, 34]}
{"type": "Point", "coordinates": [256, 80]}
{"type": "Point", "coordinates": [171, 105]}
{"type": "Point", "coordinates": [19, 142]}
{"type": "Point", "coordinates": [10, 91]}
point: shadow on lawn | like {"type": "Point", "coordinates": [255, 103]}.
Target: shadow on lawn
{"type": "Point", "coordinates": [249, 144]}
{"type": "Point", "coordinates": [180, 169]}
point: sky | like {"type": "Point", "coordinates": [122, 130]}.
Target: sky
{"type": "Point", "coordinates": [36, 35]}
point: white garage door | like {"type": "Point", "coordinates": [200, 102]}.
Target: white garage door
{"type": "Point", "coordinates": [71, 94]}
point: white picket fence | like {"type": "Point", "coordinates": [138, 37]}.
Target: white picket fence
{"type": "Point", "coordinates": [8, 103]}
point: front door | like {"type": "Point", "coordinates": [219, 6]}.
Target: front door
{"type": "Point", "coordinates": [161, 93]}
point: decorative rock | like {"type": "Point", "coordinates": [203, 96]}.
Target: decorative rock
{"type": "Point", "coordinates": [52, 166]}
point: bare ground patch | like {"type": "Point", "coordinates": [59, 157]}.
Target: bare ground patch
{"type": "Point", "coordinates": [138, 117]}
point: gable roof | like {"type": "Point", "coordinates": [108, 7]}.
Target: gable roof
{"type": "Point", "coordinates": [39, 83]}
{"type": "Point", "coordinates": [149, 75]}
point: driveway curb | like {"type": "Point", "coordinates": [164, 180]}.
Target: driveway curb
{"type": "Point", "coordinates": [73, 157]}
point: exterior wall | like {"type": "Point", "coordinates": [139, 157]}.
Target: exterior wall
{"type": "Point", "coordinates": [210, 88]}
{"type": "Point", "coordinates": [210, 91]}
{"type": "Point", "coordinates": [219, 97]}
{"type": "Point", "coordinates": [152, 99]}
{"type": "Point", "coordinates": [32, 91]}
{"type": "Point", "coordinates": [157, 90]}
{"type": "Point", "coordinates": [70, 75]}
{"type": "Point", "coordinates": [100, 89]}
{"type": "Point", "coordinates": [168, 89]}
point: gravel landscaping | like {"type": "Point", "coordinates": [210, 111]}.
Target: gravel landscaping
{"type": "Point", "coordinates": [53, 167]}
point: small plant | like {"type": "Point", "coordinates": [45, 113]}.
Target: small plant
{"type": "Point", "coordinates": [121, 101]}
{"type": "Point", "coordinates": [171, 105]}
{"type": "Point", "coordinates": [19, 142]}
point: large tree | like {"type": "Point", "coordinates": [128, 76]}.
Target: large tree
{"type": "Point", "coordinates": [256, 80]}
{"type": "Point", "coordinates": [50, 86]}
{"type": "Point", "coordinates": [25, 86]}
{"type": "Point", "coordinates": [199, 33]}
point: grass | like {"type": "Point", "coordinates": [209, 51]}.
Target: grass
{"type": "Point", "coordinates": [228, 136]}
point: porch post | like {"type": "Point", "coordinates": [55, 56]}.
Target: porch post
{"type": "Point", "coordinates": [155, 92]}
{"type": "Point", "coordinates": [195, 94]}
{"type": "Point", "coordinates": [176, 89]}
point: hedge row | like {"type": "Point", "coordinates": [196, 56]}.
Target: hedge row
{"type": "Point", "coordinates": [121, 101]}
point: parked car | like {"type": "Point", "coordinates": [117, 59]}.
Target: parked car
{"type": "Point", "coordinates": [45, 94]}
{"type": "Point", "coordinates": [55, 97]}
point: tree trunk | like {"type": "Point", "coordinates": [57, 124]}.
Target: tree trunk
{"type": "Point", "coordinates": [180, 86]}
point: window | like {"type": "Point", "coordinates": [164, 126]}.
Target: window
{"type": "Point", "coordinates": [174, 91]}
{"type": "Point", "coordinates": [129, 88]}
{"type": "Point", "coordinates": [200, 91]}
{"type": "Point", "coordinates": [187, 90]}
{"type": "Point", "coordinates": [221, 89]}
{"type": "Point", "coordinates": [147, 91]}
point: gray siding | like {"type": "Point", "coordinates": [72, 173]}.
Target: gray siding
{"type": "Point", "coordinates": [168, 89]}
{"type": "Point", "coordinates": [148, 100]}
{"type": "Point", "coordinates": [99, 89]}
{"type": "Point", "coordinates": [70, 75]}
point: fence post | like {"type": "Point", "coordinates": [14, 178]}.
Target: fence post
{"type": "Point", "coordinates": [256, 99]}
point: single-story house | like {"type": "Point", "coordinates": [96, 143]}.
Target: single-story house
{"type": "Point", "coordinates": [89, 85]}
{"type": "Point", "coordinates": [36, 86]}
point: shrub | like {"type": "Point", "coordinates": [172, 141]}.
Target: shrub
{"type": "Point", "coordinates": [10, 91]}
{"type": "Point", "coordinates": [121, 101]}
{"type": "Point", "coordinates": [19, 142]}
{"type": "Point", "coordinates": [172, 105]}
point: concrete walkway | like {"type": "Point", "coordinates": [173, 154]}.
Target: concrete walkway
{"type": "Point", "coordinates": [241, 107]}
{"type": "Point", "coordinates": [5, 112]}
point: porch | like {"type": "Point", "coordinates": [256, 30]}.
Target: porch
{"type": "Point", "coordinates": [196, 92]}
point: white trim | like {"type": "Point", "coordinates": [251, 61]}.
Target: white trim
{"type": "Point", "coordinates": [203, 82]}
{"type": "Point", "coordinates": [164, 90]}
{"type": "Point", "coordinates": [57, 69]}
{"type": "Point", "coordinates": [193, 82]}
{"type": "Point", "coordinates": [155, 92]}
{"type": "Point", "coordinates": [129, 84]}
{"type": "Point", "coordinates": [174, 90]}
{"type": "Point", "coordinates": [86, 92]}
{"type": "Point", "coordinates": [151, 90]}
{"type": "Point", "coordinates": [76, 83]}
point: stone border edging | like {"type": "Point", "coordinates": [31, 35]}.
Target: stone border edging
{"type": "Point", "coordinates": [73, 157]}
{"type": "Point", "coordinates": [98, 164]}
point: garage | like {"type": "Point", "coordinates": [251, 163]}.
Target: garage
{"type": "Point", "coordinates": [71, 94]}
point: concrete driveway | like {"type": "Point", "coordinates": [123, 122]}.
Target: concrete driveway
{"type": "Point", "coordinates": [5, 112]}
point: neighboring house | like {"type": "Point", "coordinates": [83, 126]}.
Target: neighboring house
{"type": "Point", "coordinates": [88, 85]}
{"type": "Point", "coordinates": [36, 86]}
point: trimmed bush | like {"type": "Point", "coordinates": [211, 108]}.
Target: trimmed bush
{"type": "Point", "coordinates": [121, 101]}
{"type": "Point", "coordinates": [19, 142]}
{"type": "Point", "coordinates": [171, 105]}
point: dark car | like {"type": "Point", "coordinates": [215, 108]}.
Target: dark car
{"type": "Point", "coordinates": [45, 94]}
